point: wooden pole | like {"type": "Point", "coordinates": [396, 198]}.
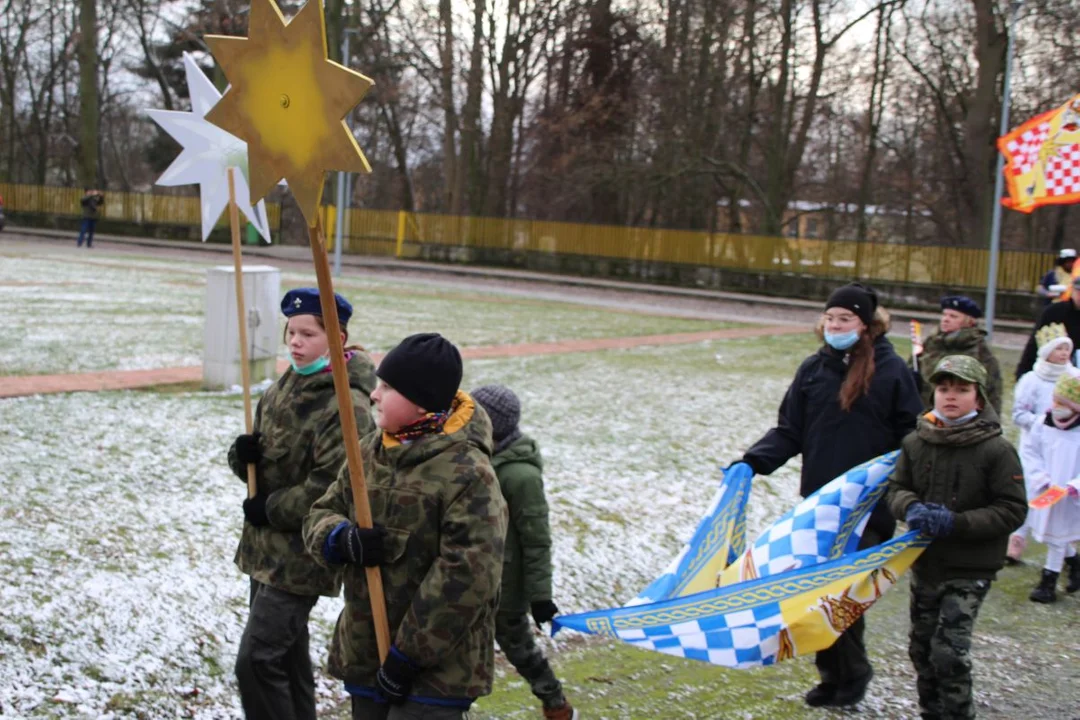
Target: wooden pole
{"type": "Point", "coordinates": [241, 317]}
{"type": "Point", "coordinates": [348, 427]}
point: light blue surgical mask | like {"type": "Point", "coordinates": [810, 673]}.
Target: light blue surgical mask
{"type": "Point", "coordinates": [842, 341]}
{"type": "Point", "coordinates": [947, 422]}
{"type": "Point", "coordinates": [315, 367]}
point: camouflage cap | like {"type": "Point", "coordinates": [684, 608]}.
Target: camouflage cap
{"type": "Point", "coordinates": [962, 367]}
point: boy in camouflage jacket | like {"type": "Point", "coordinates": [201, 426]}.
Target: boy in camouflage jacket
{"type": "Point", "coordinates": [297, 450]}
{"type": "Point", "coordinates": [440, 525]}
{"type": "Point", "coordinates": [958, 480]}
{"type": "Point", "coordinates": [526, 583]}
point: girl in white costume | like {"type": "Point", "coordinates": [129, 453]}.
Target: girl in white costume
{"type": "Point", "coordinates": [1051, 456]}
{"type": "Point", "coordinates": [1034, 394]}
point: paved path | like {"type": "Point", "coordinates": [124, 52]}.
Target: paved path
{"type": "Point", "coordinates": [21, 385]}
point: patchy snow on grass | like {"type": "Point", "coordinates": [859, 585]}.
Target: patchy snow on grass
{"type": "Point", "coordinates": [121, 519]}
{"type": "Point", "coordinates": [72, 312]}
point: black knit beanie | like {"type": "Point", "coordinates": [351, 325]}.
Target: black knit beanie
{"type": "Point", "coordinates": [425, 368]}
{"type": "Point", "coordinates": [857, 298]}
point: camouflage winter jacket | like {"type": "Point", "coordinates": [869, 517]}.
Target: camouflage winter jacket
{"type": "Point", "coordinates": [439, 500]}
{"type": "Point", "coordinates": [974, 471]}
{"type": "Point", "coordinates": [527, 560]}
{"type": "Point", "coordinates": [302, 451]}
{"type": "Point", "coordinates": [968, 341]}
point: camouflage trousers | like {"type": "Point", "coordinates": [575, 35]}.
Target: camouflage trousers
{"type": "Point", "coordinates": [942, 617]}
{"type": "Point", "coordinates": [514, 633]}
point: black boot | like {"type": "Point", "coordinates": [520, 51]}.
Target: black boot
{"type": "Point", "coordinates": [853, 692]}
{"type": "Point", "coordinates": [1074, 574]}
{"type": "Point", "coordinates": [820, 695]}
{"type": "Point", "coordinates": [1044, 593]}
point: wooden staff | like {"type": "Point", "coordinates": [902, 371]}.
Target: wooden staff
{"type": "Point", "coordinates": [348, 427]}
{"type": "Point", "coordinates": [241, 317]}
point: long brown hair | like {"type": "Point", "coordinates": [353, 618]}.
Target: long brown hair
{"type": "Point", "coordinates": [861, 358]}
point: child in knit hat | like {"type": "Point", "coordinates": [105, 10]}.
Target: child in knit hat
{"type": "Point", "coordinates": [526, 583]}
{"type": "Point", "coordinates": [438, 536]}
{"type": "Point", "coordinates": [1034, 395]}
{"type": "Point", "coordinates": [1051, 455]}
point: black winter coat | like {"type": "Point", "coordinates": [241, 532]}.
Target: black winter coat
{"type": "Point", "coordinates": [1060, 312]}
{"type": "Point", "coordinates": [833, 441]}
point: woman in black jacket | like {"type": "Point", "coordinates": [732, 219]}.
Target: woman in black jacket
{"type": "Point", "coordinates": [851, 401]}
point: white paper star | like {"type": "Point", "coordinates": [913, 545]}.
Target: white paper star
{"type": "Point", "coordinates": [208, 154]}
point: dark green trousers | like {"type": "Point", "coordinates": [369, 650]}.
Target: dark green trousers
{"type": "Point", "coordinates": [273, 667]}
{"type": "Point", "coordinates": [514, 633]}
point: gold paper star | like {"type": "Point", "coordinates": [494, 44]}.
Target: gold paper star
{"type": "Point", "coordinates": [288, 102]}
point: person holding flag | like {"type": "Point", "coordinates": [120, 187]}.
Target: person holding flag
{"type": "Point", "coordinates": [851, 401]}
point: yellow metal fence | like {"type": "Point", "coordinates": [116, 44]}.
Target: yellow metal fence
{"type": "Point", "coordinates": [119, 206]}
{"type": "Point", "coordinates": [385, 232]}
{"type": "Point", "coordinates": [388, 232]}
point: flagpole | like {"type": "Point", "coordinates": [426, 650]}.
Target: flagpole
{"type": "Point", "coordinates": [999, 178]}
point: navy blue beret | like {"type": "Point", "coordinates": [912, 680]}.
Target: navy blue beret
{"type": "Point", "coordinates": [961, 304]}
{"type": "Point", "coordinates": [305, 301]}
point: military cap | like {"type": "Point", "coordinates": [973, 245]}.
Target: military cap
{"type": "Point", "coordinates": [962, 367]}
{"type": "Point", "coordinates": [305, 301]}
{"type": "Point", "coordinates": [961, 304]}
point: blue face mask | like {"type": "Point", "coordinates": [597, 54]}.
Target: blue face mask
{"type": "Point", "coordinates": [842, 341]}
{"type": "Point", "coordinates": [317, 366]}
{"type": "Point", "coordinates": [958, 421]}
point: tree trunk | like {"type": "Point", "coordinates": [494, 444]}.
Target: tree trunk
{"type": "Point", "coordinates": [469, 176]}
{"type": "Point", "coordinates": [452, 199]}
{"type": "Point", "coordinates": [89, 171]}
{"type": "Point", "coordinates": [979, 126]}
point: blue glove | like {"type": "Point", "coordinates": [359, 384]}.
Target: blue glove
{"type": "Point", "coordinates": [916, 516]}
{"type": "Point", "coordinates": [939, 520]}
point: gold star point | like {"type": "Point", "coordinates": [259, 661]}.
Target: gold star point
{"type": "Point", "coordinates": [288, 102]}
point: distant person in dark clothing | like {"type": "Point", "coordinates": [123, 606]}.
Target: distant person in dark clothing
{"type": "Point", "coordinates": [91, 202]}
{"type": "Point", "coordinates": [1066, 312]}
{"type": "Point", "coordinates": [852, 400]}
{"type": "Point", "coordinates": [1055, 281]}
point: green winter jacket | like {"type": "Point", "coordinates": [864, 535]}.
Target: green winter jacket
{"type": "Point", "coordinates": [968, 341]}
{"type": "Point", "coordinates": [527, 560]}
{"type": "Point", "coordinates": [974, 471]}
{"type": "Point", "coordinates": [302, 451]}
{"type": "Point", "coordinates": [439, 500]}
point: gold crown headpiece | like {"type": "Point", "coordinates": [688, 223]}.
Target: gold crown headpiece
{"type": "Point", "coordinates": [1046, 333]}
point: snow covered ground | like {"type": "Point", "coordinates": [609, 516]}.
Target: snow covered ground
{"type": "Point", "coordinates": [120, 519]}
{"type": "Point", "coordinates": [67, 312]}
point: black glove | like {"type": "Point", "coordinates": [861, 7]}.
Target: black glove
{"type": "Point", "coordinates": [247, 448]}
{"type": "Point", "coordinates": [543, 611]}
{"type": "Point", "coordinates": [255, 510]}
{"type": "Point", "coordinates": [395, 677]}
{"type": "Point", "coordinates": [916, 516]}
{"type": "Point", "coordinates": [361, 546]}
